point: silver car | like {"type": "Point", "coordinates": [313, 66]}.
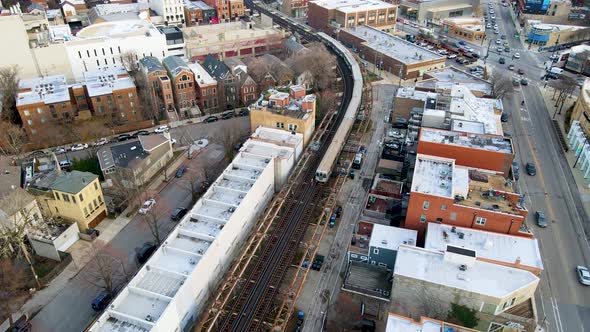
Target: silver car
{"type": "Point", "coordinates": [583, 275]}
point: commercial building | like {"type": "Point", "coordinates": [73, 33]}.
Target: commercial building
{"type": "Point", "coordinates": [490, 152]}
{"type": "Point", "coordinates": [397, 323]}
{"type": "Point", "coordinates": [118, 12]}
{"type": "Point", "coordinates": [578, 60]}
{"type": "Point", "coordinates": [160, 85]}
{"type": "Point", "coordinates": [295, 8]}
{"type": "Point", "coordinates": [512, 251]}
{"type": "Point", "coordinates": [292, 111]}
{"type": "Point", "coordinates": [408, 99]}
{"type": "Point", "coordinates": [112, 93]}
{"type": "Point", "coordinates": [172, 287]}
{"type": "Point", "coordinates": [228, 85]}
{"type": "Point", "coordinates": [457, 276]}
{"type": "Point", "coordinates": [198, 12]}
{"type": "Point", "coordinates": [182, 79]}
{"type": "Point", "coordinates": [472, 29]}
{"type": "Point", "coordinates": [231, 39]}
{"type": "Point", "coordinates": [329, 15]}
{"type": "Point", "coordinates": [541, 34]}
{"type": "Point", "coordinates": [377, 244]}
{"type": "Point", "coordinates": [171, 10]}
{"type": "Point", "coordinates": [442, 81]}
{"type": "Point", "coordinates": [446, 193]}
{"type": "Point", "coordinates": [391, 53]}
{"type": "Point", "coordinates": [227, 9]}
{"type": "Point", "coordinates": [424, 11]}
{"type": "Point", "coordinates": [73, 196]}
{"type": "Point", "coordinates": [131, 164]}
{"type": "Point", "coordinates": [207, 98]}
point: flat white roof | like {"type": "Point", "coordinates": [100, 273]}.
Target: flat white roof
{"type": "Point", "coordinates": [351, 6]}
{"type": "Point", "coordinates": [405, 324]}
{"type": "Point", "coordinates": [433, 175]}
{"type": "Point", "coordinates": [391, 238]}
{"type": "Point", "coordinates": [277, 136]}
{"type": "Point", "coordinates": [393, 46]}
{"type": "Point", "coordinates": [202, 77]}
{"type": "Point", "coordinates": [494, 246]}
{"type": "Point", "coordinates": [480, 277]}
{"type": "Point", "coordinates": [466, 106]}
{"type": "Point", "coordinates": [537, 24]}
{"type": "Point", "coordinates": [104, 81]}
{"type": "Point", "coordinates": [410, 92]}
{"type": "Point", "coordinates": [475, 141]}
{"type": "Point", "coordinates": [48, 90]}
{"type": "Point", "coordinates": [118, 29]}
{"type": "Point", "coordinates": [445, 78]}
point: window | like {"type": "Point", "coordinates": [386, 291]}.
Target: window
{"type": "Point", "coordinates": [423, 218]}
{"type": "Point", "coordinates": [33, 131]}
{"type": "Point", "coordinates": [85, 212]}
{"type": "Point", "coordinates": [66, 198]}
{"type": "Point", "coordinates": [480, 221]}
{"type": "Point", "coordinates": [57, 196]}
{"type": "Point", "coordinates": [81, 198]}
{"type": "Point", "coordinates": [376, 251]}
{"type": "Point", "coordinates": [56, 210]}
{"type": "Point", "coordinates": [30, 122]}
{"type": "Point", "coordinates": [43, 120]}
{"type": "Point", "coordinates": [425, 205]}
{"type": "Point", "coordinates": [39, 110]}
{"type": "Point", "coordinates": [90, 207]}
{"type": "Point", "coordinates": [443, 207]}
{"type": "Point", "coordinates": [382, 264]}
{"type": "Point", "coordinates": [280, 125]}
{"type": "Point", "coordinates": [95, 205]}
{"type": "Point", "coordinates": [453, 215]}
{"type": "Point", "coordinates": [292, 127]}
{"type": "Point", "coordinates": [27, 113]}
{"type": "Point", "coordinates": [100, 199]}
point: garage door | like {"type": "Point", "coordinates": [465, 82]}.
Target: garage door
{"type": "Point", "coordinates": [71, 239]}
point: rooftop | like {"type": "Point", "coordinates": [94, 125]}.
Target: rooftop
{"type": "Point", "coordinates": [387, 187]}
{"type": "Point", "coordinates": [474, 141]}
{"type": "Point", "coordinates": [202, 77]}
{"type": "Point", "coordinates": [174, 64]}
{"type": "Point", "coordinates": [47, 90]}
{"type": "Point", "coordinates": [151, 63]}
{"type": "Point", "coordinates": [209, 35]}
{"type": "Point", "coordinates": [445, 78]}
{"type": "Point", "coordinates": [351, 6]}
{"type": "Point", "coordinates": [392, 46]}
{"type": "Point", "coordinates": [104, 81]}
{"type": "Point", "coordinates": [488, 245]}
{"type": "Point", "coordinates": [118, 29]}
{"type": "Point", "coordinates": [391, 238]}
{"type": "Point", "coordinates": [443, 269]}
{"type": "Point", "coordinates": [277, 136]}
{"type": "Point", "coordinates": [10, 176]}
{"type": "Point", "coordinates": [197, 5]}
{"type": "Point", "coordinates": [466, 106]}
{"type": "Point", "coordinates": [396, 323]}
{"type": "Point", "coordinates": [468, 23]}
{"type": "Point", "coordinates": [121, 154]}
{"type": "Point", "coordinates": [70, 182]}
{"type": "Point", "coordinates": [434, 176]}
{"type": "Point", "coordinates": [117, 11]}
{"type": "Point", "coordinates": [410, 92]}
{"type": "Point", "coordinates": [294, 108]}
{"type": "Point", "coordinates": [537, 24]}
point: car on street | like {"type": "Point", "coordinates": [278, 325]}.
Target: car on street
{"type": "Point", "coordinates": [502, 61]}
{"type": "Point", "coordinates": [531, 169]}
{"type": "Point", "coordinates": [500, 49]}
{"type": "Point", "coordinates": [442, 52]}
{"type": "Point", "coordinates": [488, 26]}
{"type": "Point", "coordinates": [100, 141]}
{"type": "Point", "coordinates": [178, 213]}
{"type": "Point", "coordinates": [496, 26]}
{"type": "Point", "coordinates": [173, 141]}
{"type": "Point", "coordinates": [65, 164]}
{"type": "Point", "coordinates": [506, 49]}
{"type": "Point", "coordinates": [211, 118]}
{"type": "Point", "coordinates": [511, 67]}
{"type": "Point", "coordinates": [101, 301]}
{"type": "Point", "coordinates": [140, 133]}
{"type": "Point", "coordinates": [462, 43]}
{"type": "Point", "coordinates": [227, 115]}
{"type": "Point", "coordinates": [147, 206]}
{"type": "Point", "coordinates": [145, 252]}
{"type": "Point", "coordinates": [492, 11]}
{"type": "Point", "coordinates": [161, 129]}
{"type": "Point", "coordinates": [503, 36]}
{"type": "Point", "coordinates": [243, 112]}
{"type": "Point", "coordinates": [59, 149]}
{"type": "Point", "coordinates": [583, 275]}
{"type": "Point", "coordinates": [541, 219]}
{"type": "Point", "coordinates": [451, 56]}
{"type": "Point", "coordinates": [554, 57]}
{"type": "Point", "coordinates": [499, 41]}
{"type": "Point", "coordinates": [515, 168]}
{"type": "Point", "coordinates": [520, 71]}
{"type": "Point", "coordinates": [180, 171]}
{"type": "Point", "coordinates": [516, 55]}
{"type": "Point", "coordinates": [79, 146]}
{"type": "Point", "coordinates": [524, 81]}
{"type": "Point", "coordinates": [496, 31]}
{"type": "Point", "coordinates": [515, 81]}
{"type": "Point", "coordinates": [122, 137]}
{"type": "Point", "coordinates": [493, 17]}
{"type": "Point", "coordinates": [504, 117]}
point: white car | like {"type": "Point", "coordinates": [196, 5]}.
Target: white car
{"type": "Point", "coordinates": [147, 206]}
{"type": "Point", "coordinates": [469, 49]}
{"type": "Point", "coordinates": [496, 31]}
{"type": "Point", "coordinates": [442, 52]}
{"type": "Point", "coordinates": [493, 17]}
{"type": "Point", "coordinates": [452, 56]}
{"type": "Point", "coordinates": [79, 147]}
{"type": "Point", "coordinates": [101, 141]}
{"type": "Point", "coordinates": [161, 129]}
{"type": "Point", "coordinates": [517, 55]}
{"type": "Point", "coordinates": [60, 149]}
{"type": "Point", "coordinates": [173, 141]}
{"type": "Point", "coordinates": [492, 11]}
{"type": "Point", "coordinates": [583, 275]}
{"type": "Point", "coordinates": [488, 26]}
{"type": "Point", "coordinates": [499, 41]}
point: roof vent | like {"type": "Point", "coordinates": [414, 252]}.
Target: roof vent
{"type": "Point", "coordinates": [231, 209]}
{"type": "Point", "coordinates": [384, 241]}
{"type": "Point", "coordinates": [461, 235]}
{"type": "Point", "coordinates": [463, 267]}
{"type": "Point", "coordinates": [454, 229]}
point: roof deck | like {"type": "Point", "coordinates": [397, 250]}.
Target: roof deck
{"type": "Point", "coordinates": [189, 242]}
{"type": "Point", "coordinates": [161, 282]}
{"type": "Point", "coordinates": [474, 141]}
{"type": "Point", "coordinates": [225, 196]}
{"type": "Point", "coordinates": [142, 306]}
{"type": "Point", "coordinates": [491, 192]}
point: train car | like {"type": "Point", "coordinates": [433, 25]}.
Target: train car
{"type": "Point", "coordinates": [327, 163]}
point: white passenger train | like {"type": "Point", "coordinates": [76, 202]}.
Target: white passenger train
{"type": "Point", "coordinates": [329, 160]}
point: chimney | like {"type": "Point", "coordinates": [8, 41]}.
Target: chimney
{"type": "Point", "coordinates": [517, 260]}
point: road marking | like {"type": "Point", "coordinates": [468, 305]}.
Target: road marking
{"type": "Point", "coordinates": [559, 326]}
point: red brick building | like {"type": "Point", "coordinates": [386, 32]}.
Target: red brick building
{"type": "Point", "coordinates": [112, 95]}
{"type": "Point", "coordinates": [227, 9]}
{"type": "Point", "coordinates": [161, 91]}
{"type": "Point", "coordinates": [456, 195]}
{"type": "Point", "coordinates": [327, 15]}
{"type": "Point", "coordinates": [206, 89]}
{"type": "Point", "coordinates": [182, 81]}
{"type": "Point", "coordinates": [248, 91]}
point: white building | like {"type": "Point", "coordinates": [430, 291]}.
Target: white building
{"type": "Point", "coordinates": [172, 11]}
{"type": "Point", "coordinates": [171, 288]}
{"type": "Point", "coordinates": [397, 323]}
{"type": "Point", "coordinates": [99, 46]}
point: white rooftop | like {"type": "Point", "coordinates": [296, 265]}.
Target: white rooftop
{"type": "Point", "coordinates": [277, 136]}
{"type": "Point", "coordinates": [537, 24]}
{"type": "Point", "coordinates": [410, 92]}
{"type": "Point", "coordinates": [466, 106]}
{"type": "Point", "coordinates": [433, 176]}
{"type": "Point", "coordinates": [392, 46]}
{"type": "Point", "coordinates": [466, 126]}
{"type": "Point", "coordinates": [490, 143]}
{"type": "Point", "coordinates": [48, 90]}
{"type": "Point", "coordinates": [105, 81]}
{"type": "Point", "coordinates": [391, 238]}
{"type": "Point", "coordinates": [397, 323]}
{"type": "Point", "coordinates": [352, 6]}
{"type": "Point", "coordinates": [494, 246]}
{"type": "Point", "coordinates": [118, 29]}
{"type": "Point", "coordinates": [445, 78]}
{"type": "Point", "coordinates": [202, 77]}
{"type": "Point", "coordinates": [443, 269]}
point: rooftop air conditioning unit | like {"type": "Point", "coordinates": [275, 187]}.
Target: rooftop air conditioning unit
{"type": "Point", "coordinates": [463, 267]}
{"type": "Point", "coordinates": [461, 235]}
{"type": "Point", "coordinates": [454, 229]}
{"type": "Point", "coordinates": [231, 209]}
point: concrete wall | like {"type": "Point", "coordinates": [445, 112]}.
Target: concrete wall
{"type": "Point", "coordinates": [53, 60]}
{"type": "Point", "coordinates": [49, 248]}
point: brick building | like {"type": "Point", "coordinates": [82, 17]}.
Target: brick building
{"type": "Point", "coordinates": [295, 8]}
{"type": "Point", "coordinates": [446, 193]}
{"type": "Point", "coordinates": [112, 94]}
{"type": "Point", "coordinates": [390, 53]}
{"type": "Point", "coordinates": [328, 15]}
{"type": "Point", "coordinates": [183, 82]}
{"type": "Point", "coordinates": [198, 12]}
{"type": "Point", "coordinates": [161, 91]}
{"type": "Point", "coordinates": [206, 89]}
{"type": "Point", "coordinates": [472, 29]}
{"type": "Point", "coordinates": [228, 87]}
{"type": "Point", "coordinates": [227, 9]}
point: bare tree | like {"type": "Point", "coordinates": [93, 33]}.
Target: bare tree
{"type": "Point", "coordinates": [129, 59]}
{"type": "Point", "coordinates": [501, 85]}
{"type": "Point", "coordinates": [281, 73]}
{"type": "Point", "coordinates": [152, 220]}
{"type": "Point", "coordinates": [12, 281]}
{"type": "Point", "coordinates": [230, 138]}
{"type": "Point", "coordinates": [257, 68]}
{"type": "Point", "coordinates": [327, 101]}
{"type": "Point", "coordinates": [13, 138]}
{"type": "Point", "coordinates": [149, 105]}
{"type": "Point", "coordinates": [563, 87]}
{"type": "Point", "coordinates": [107, 268]}
{"type": "Point", "coordinates": [318, 61]}
{"type": "Point", "coordinates": [584, 56]}
{"type": "Point", "coordinates": [8, 87]}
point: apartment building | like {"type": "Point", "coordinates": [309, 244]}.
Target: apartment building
{"type": "Point", "coordinates": [423, 11]}
{"type": "Point", "coordinates": [286, 111]}
{"type": "Point", "coordinates": [161, 91]}
{"type": "Point", "coordinates": [172, 11]}
{"type": "Point", "coordinates": [472, 29]}
{"type": "Point", "coordinates": [74, 196]}
{"type": "Point", "coordinates": [328, 15]}
{"type": "Point", "coordinates": [227, 9]}
{"type": "Point", "coordinates": [391, 53]}
{"type": "Point", "coordinates": [483, 151]}
{"type": "Point", "coordinates": [247, 85]}
{"type": "Point", "coordinates": [445, 192]}
{"type": "Point", "coordinates": [442, 81]}
{"type": "Point", "coordinates": [207, 98]}
{"type": "Point", "coordinates": [295, 8]}
{"type": "Point", "coordinates": [182, 80]}
{"type": "Point", "coordinates": [228, 85]}
{"type": "Point", "coordinates": [398, 323]}
{"type": "Point", "coordinates": [198, 12]}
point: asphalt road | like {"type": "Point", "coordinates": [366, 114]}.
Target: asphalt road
{"type": "Point", "coordinates": [563, 304]}
{"type": "Point", "coordinates": [70, 310]}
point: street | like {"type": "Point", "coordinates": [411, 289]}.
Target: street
{"type": "Point", "coordinates": [70, 310]}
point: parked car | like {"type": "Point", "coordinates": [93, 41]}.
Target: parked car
{"type": "Point", "coordinates": [65, 164]}
{"type": "Point", "coordinates": [583, 275]}
{"type": "Point", "coordinates": [520, 71]}
{"type": "Point", "coordinates": [211, 118]}
{"type": "Point", "coordinates": [100, 141]}
{"type": "Point", "coordinates": [502, 61]}
{"type": "Point", "coordinates": [507, 49]}
{"type": "Point", "coordinates": [515, 169]}
{"type": "Point", "coordinates": [338, 211]}
{"type": "Point", "coordinates": [180, 171]}
{"type": "Point", "coordinates": [140, 133]}
{"type": "Point", "coordinates": [178, 213]}
{"type": "Point", "coordinates": [161, 129]}
{"type": "Point", "coordinates": [516, 55]}
{"type": "Point", "coordinates": [227, 115]}
{"type": "Point", "coordinates": [503, 37]}
{"type": "Point", "coordinates": [500, 49]}
{"type": "Point", "coordinates": [122, 137]}
{"type": "Point", "coordinates": [173, 141]}
{"type": "Point", "coordinates": [499, 41]}
{"type": "Point", "coordinates": [101, 301]}
{"type": "Point", "coordinates": [531, 169]}
{"type": "Point", "coordinates": [59, 149]}
{"type": "Point", "coordinates": [462, 43]}
{"type": "Point", "coordinates": [541, 219]}
{"type": "Point", "coordinates": [79, 147]}
{"type": "Point", "coordinates": [147, 206]}
{"type": "Point", "coordinates": [143, 254]}
{"type": "Point", "coordinates": [243, 112]}
{"type": "Point", "coordinates": [524, 81]}
{"type": "Point", "coordinates": [511, 67]}
{"type": "Point", "coordinates": [504, 117]}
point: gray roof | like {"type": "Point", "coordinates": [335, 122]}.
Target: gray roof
{"type": "Point", "coordinates": [150, 142]}
{"type": "Point", "coordinates": [10, 176]}
{"type": "Point", "coordinates": [151, 63]}
{"type": "Point", "coordinates": [70, 182]}
{"type": "Point", "coordinates": [120, 154]}
{"type": "Point", "coordinates": [215, 68]}
{"type": "Point", "coordinates": [293, 46]}
{"type": "Point", "coordinates": [174, 64]}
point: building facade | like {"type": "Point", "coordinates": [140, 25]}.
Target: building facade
{"type": "Point", "coordinates": [171, 10]}
{"type": "Point", "coordinates": [424, 11]}
{"type": "Point", "coordinates": [470, 29]}
{"type": "Point", "coordinates": [207, 98]}
{"type": "Point", "coordinates": [227, 10]}
{"type": "Point", "coordinates": [198, 12]}
{"type": "Point", "coordinates": [228, 85]}
{"type": "Point", "coordinates": [328, 15]}
{"type": "Point", "coordinates": [161, 92]}
{"type": "Point", "coordinates": [182, 80]}
{"type": "Point", "coordinates": [295, 8]}
{"type": "Point", "coordinates": [544, 35]}
{"type": "Point", "coordinates": [112, 94]}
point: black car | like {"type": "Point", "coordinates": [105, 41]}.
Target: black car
{"type": "Point", "coordinates": [21, 325]}
{"type": "Point", "coordinates": [178, 213]}
{"type": "Point", "coordinates": [144, 253]}
{"type": "Point", "coordinates": [141, 132]}
{"type": "Point", "coordinates": [504, 117]}
{"type": "Point", "coordinates": [541, 219]}
{"type": "Point", "coordinates": [227, 115]}
{"type": "Point", "coordinates": [520, 71]}
{"type": "Point", "coordinates": [502, 61]}
{"type": "Point", "coordinates": [243, 112]}
{"type": "Point", "coordinates": [101, 301]}
{"type": "Point", "coordinates": [531, 169]}
{"type": "Point", "coordinates": [122, 137]}
{"type": "Point", "coordinates": [180, 171]}
{"type": "Point", "coordinates": [515, 170]}
{"type": "Point", "coordinates": [338, 211]}
{"type": "Point", "coordinates": [211, 118]}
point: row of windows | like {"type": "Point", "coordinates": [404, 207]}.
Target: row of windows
{"type": "Point", "coordinates": [290, 126]}
{"type": "Point", "coordinates": [478, 221]}
{"type": "Point", "coordinates": [104, 53]}
{"type": "Point", "coordinates": [92, 206]}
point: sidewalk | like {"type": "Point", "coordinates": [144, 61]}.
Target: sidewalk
{"type": "Point", "coordinates": [80, 251]}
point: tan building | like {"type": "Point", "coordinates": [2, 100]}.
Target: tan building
{"type": "Point", "coordinates": [74, 196]}
{"type": "Point", "coordinates": [284, 111]}
{"type": "Point", "coordinates": [581, 111]}
{"type": "Point", "coordinates": [328, 15]}
{"type": "Point", "coordinates": [471, 29]}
